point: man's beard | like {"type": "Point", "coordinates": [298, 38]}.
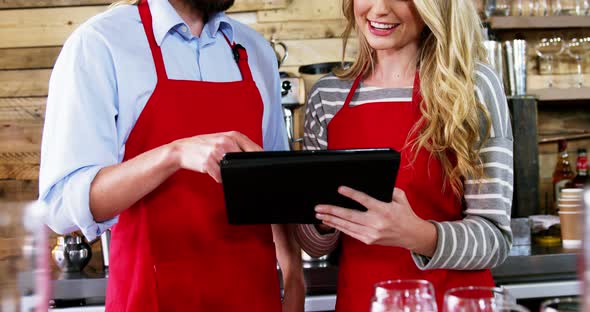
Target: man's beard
{"type": "Point", "coordinates": [210, 7]}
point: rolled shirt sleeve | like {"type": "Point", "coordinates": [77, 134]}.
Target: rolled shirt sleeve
{"type": "Point", "coordinates": [79, 136]}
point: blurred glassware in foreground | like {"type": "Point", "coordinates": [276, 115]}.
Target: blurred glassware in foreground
{"type": "Point", "coordinates": [561, 305]}
{"type": "Point", "coordinates": [584, 268]}
{"type": "Point", "coordinates": [403, 295]}
{"type": "Point", "coordinates": [480, 299]}
{"type": "Point", "coordinates": [24, 266]}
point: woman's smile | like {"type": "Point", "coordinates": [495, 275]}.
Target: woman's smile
{"type": "Point", "coordinates": [378, 28]}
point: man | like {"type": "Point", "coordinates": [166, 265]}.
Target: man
{"type": "Point", "coordinates": [144, 101]}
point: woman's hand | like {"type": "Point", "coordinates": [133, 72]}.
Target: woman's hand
{"type": "Point", "coordinates": [387, 224]}
{"type": "Point", "coordinates": [203, 153]}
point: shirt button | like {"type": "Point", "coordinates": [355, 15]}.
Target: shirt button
{"type": "Point", "coordinates": [184, 29]}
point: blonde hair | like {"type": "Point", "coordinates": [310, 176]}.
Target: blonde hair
{"type": "Point", "coordinates": [450, 48]}
{"type": "Point", "coordinates": [122, 2]}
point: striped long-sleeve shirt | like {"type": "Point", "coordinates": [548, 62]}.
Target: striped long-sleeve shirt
{"type": "Point", "coordinates": [482, 239]}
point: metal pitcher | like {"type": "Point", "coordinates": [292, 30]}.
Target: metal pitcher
{"type": "Point", "coordinates": [281, 57]}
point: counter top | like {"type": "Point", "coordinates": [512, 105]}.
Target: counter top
{"type": "Point", "coordinates": [525, 264]}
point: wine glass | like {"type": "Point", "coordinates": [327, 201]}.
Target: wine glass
{"type": "Point", "coordinates": [578, 47]}
{"type": "Point", "coordinates": [24, 260]}
{"type": "Point", "coordinates": [479, 299]}
{"type": "Point", "coordinates": [403, 295]}
{"type": "Point", "coordinates": [547, 48]}
{"type": "Point", "coordinates": [497, 8]}
{"type": "Point", "coordinates": [556, 7]}
{"type": "Point", "coordinates": [561, 305]}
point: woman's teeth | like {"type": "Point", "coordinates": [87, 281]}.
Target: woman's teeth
{"type": "Point", "coordinates": [381, 26]}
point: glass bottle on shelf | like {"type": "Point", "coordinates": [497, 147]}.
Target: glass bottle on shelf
{"type": "Point", "coordinates": [562, 175]}
{"type": "Point", "coordinates": [581, 179]}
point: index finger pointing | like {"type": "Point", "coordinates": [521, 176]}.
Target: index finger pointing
{"type": "Point", "coordinates": [244, 143]}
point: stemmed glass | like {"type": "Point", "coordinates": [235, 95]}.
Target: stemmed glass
{"type": "Point", "coordinates": [525, 7]}
{"type": "Point", "coordinates": [547, 48]}
{"type": "Point", "coordinates": [480, 299]}
{"type": "Point", "coordinates": [578, 47]}
{"type": "Point", "coordinates": [561, 305]}
{"type": "Point", "coordinates": [497, 7]}
{"type": "Point", "coordinates": [556, 7]}
{"type": "Point", "coordinates": [403, 295]}
{"type": "Point", "coordinates": [575, 7]}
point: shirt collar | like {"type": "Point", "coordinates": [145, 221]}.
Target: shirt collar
{"type": "Point", "coordinates": [165, 18]}
{"type": "Point", "coordinates": [219, 22]}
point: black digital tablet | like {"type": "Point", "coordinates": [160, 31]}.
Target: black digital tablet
{"type": "Point", "coordinates": [284, 187]}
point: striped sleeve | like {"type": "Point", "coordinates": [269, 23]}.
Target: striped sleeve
{"type": "Point", "coordinates": [311, 240]}
{"type": "Point", "coordinates": [315, 134]}
{"type": "Point", "coordinates": [483, 238]}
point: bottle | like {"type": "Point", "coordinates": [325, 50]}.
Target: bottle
{"type": "Point", "coordinates": [581, 178]}
{"type": "Point", "coordinates": [562, 175]}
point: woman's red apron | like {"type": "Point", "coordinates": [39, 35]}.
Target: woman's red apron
{"type": "Point", "coordinates": [387, 125]}
{"type": "Point", "coordinates": [174, 250]}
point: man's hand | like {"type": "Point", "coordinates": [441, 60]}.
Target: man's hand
{"type": "Point", "coordinates": [203, 153]}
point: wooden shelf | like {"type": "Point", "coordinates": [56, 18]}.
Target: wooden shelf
{"type": "Point", "coordinates": [538, 22]}
{"type": "Point", "coordinates": [557, 94]}
{"type": "Point", "coordinates": [569, 137]}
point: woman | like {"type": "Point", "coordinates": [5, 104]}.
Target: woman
{"type": "Point", "coordinates": [144, 101]}
{"type": "Point", "coordinates": [419, 86]}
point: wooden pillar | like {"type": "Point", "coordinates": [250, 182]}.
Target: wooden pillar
{"type": "Point", "coordinates": [526, 156]}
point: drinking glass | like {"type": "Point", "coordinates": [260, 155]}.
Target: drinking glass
{"type": "Point", "coordinates": [24, 259]}
{"type": "Point", "coordinates": [547, 48]}
{"type": "Point", "coordinates": [541, 8]}
{"type": "Point", "coordinates": [497, 7]}
{"type": "Point", "coordinates": [578, 47]}
{"type": "Point", "coordinates": [479, 299]}
{"type": "Point", "coordinates": [403, 295]}
{"type": "Point", "coordinates": [561, 305]}
{"type": "Point", "coordinates": [556, 7]}
{"type": "Point", "coordinates": [570, 7]}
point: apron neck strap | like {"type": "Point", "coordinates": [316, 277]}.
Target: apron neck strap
{"type": "Point", "coordinates": [146, 20]}
{"type": "Point", "coordinates": [241, 58]}
{"type": "Point", "coordinates": [415, 91]}
{"type": "Point", "coordinates": [239, 52]}
{"type": "Point", "coordinates": [351, 92]}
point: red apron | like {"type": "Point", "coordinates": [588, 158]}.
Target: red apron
{"type": "Point", "coordinates": [174, 250]}
{"type": "Point", "coordinates": [387, 125]}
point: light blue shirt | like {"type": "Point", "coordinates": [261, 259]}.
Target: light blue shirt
{"type": "Point", "coordinates": [101, 82]}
